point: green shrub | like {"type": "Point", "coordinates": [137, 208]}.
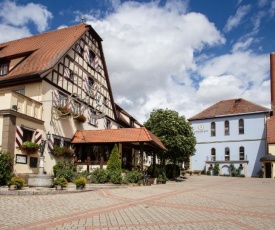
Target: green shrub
{"type": "Point", "coordinates": [134, 176]}
{"type": "Point", "coordinates": [6, 163]}
{"type": "Point", "coordinates": [66, 170]}
{"type": "Point", "coordinates": [100, 175]}
{"type": "Point", "coordinates": [80, 182]}
{"type": "Point", "coordinates": [62, 151]}
{"type": "Point", "coordinates": [159, 170]}
{"type": "Point", "coordinates": [19, 182]}
{"type": "Point", "coordinates": [216, 169]}
{"type": "Point", "coordinates": [114, 162]}
{"type": "Point", "coordinates": [172, 171]}
{"type": "Point", "coordinates": [61, 181]}
{"type": "Point", "coordinates": [116, 177]}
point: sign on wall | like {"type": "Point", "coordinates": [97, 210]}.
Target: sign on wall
{"type": "Point", "coordinates": [21, 159]}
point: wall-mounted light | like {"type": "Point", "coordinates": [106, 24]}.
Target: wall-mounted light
{"type": "Point", "coordinates": [14, 107]}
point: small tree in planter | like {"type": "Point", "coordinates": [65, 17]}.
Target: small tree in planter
{"type": "Point", "coordinates": [80, 182]}
{"type": "Point", "coordinates": [6, 163]}
{"type": "Point", "coordinates": [17, 182]}
{"type": "Point", "coordinates": [30, 147]}
{"type": "Point", "coordinates": [62, 182]}
{"type": "Point", "coordinates": [114, 163]}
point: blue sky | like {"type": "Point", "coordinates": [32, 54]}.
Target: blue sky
{"type": "Point", "coordinates": [176, 54]}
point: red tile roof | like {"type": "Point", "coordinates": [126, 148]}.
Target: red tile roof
{"type": "Point", "coordinates": [123, 135]}
{"type": "Point", "coordinates": [229, 107]}
{"type": "Point", "coordinates": [46, 49]}
{"type": "Point", "coordinates": [270, 126]}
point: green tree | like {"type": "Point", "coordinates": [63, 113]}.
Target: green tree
{"type": "Point", "coordinates": [6, 163]}
{"type": "Point", "coordinates": [114, 162]}
{"type": "Point", "coordinates": [175, 133]}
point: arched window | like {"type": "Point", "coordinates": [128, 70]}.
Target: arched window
{"type": "Point", "coordinates": [213, 154]}
{"type": "Point", "coordinates": [241, 153]}
{"type": "Point", "coordinates": [226, 128]}
{"type": "Point", "coordinates": [241, 126]}
{"type": "Point", "coordinates": [213, 129]}
{"type": "Point", "coordinates": [227, 154]}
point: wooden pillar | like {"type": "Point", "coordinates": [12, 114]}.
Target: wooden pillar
{"type": "Point", "coordinates": [141, 156]}
{"type": "Point", "coordinates": [88, 163]}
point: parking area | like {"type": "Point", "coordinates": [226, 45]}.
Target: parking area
{"type": "Point", "coordinates": [198, 202]}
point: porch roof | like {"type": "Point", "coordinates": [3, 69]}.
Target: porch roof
{"type": "Point", "coordinates": [134, 136]}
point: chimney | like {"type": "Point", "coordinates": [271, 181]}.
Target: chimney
{"type": "Point", "coordinates": [272, 81]}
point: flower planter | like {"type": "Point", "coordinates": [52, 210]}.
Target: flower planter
{"type": "Point", "coordinates": [13, 187]}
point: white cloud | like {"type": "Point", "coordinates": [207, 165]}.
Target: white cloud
{"type": "Point", "coordinates": [20, 15]}
{"type": "Point", "coordinates": [147, 47]}
{"type": "Point", "coordinates": [11, 33]}
{"type": "Point", "coordinates": [242, 45]}
{"type": "Point", "coordinates": [216, 88]}
{"type": "Point", "coordinates": [234, 21]}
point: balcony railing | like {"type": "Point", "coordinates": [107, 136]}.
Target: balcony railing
{"type": "Point", "coordinates": [21, 104]}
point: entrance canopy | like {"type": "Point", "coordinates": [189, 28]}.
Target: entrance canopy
{"type": "Point", "coordinates": [134, 136]}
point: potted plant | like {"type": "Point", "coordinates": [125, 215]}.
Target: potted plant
{"type": "Point", "coordinates": [16, 183]}
{"type": "Point", "coordinates": [64, 111]}
{"type": "Point", "coordinates": [80, 183]}
{"type": "Point", "coordinates": [60, 183]}
{"type": "Point", "coordinates": [80, 118]}
{"type": "Point", "coordinates": [30, 147]}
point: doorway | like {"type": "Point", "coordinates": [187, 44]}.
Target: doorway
{"type": "Point", "coordinates": [267, 170]}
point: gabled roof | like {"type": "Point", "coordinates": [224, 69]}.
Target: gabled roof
{"type": "Point", "coordinates": [270, 127]}
{"type": "Point", "coordinates": [123, 135]}
{"type": "Point", "coordinates": [229, 108]}
{"type": "Point", "coordinates": [43, 50]}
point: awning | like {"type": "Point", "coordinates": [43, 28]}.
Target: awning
{"type": "Point", "coordinates": [268, 157]}
{"type": "Point", "coordinates": [134, 136]}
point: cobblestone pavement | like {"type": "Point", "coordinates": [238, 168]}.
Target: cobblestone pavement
{"type": "Point", "coordinates": [198, 202]}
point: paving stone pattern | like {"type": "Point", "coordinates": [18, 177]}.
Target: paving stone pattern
{"type": "Point", "coordinates": [198, 202]}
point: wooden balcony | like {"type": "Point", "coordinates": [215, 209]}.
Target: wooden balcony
{"type": "Point", "coordinates": [21, 104]}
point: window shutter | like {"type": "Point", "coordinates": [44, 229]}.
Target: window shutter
{"type": "Point", "coordinates": [37, 137]}
{"type": "Point", "coordinates": [18, 137]}
{"type": "Point", "coordinates": [55, 98]}
{"type": "Point", "coordinates": [50, 143]}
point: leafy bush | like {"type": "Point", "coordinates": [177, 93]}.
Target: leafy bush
{"type": "Point", "coordinates": [116, 177]}
{"type": "Point", "coordinates": [80, 182]}
{"type": "Point", "coordinates": [6, 164]}
{"type": "Point", "coordinates": [61, 181]}
{"type": "Point", "coordinates": [134, 176]}
{"type": "Point", "coordinates": [62, 151]}
{"type": "Point", "coordinates": [114, 162]}
{"type": "Point", "coordinates": [216, 169]}
{"type": "Point", "coordinates": [172, 171]}
{"type": "Point", "coordinates": [66, 170]}
{"type": "Point", "coordinates": [19, 182]}
{"type": "Point", "coordinates": [159, 170]}
{"type": "Point", "coordinates": [100, 175]}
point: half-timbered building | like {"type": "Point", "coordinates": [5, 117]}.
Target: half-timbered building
{"type": "Point", "coordinates": [52, 85]}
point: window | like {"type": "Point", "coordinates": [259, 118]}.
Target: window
{"type": "Point", "coordinates": [68, 73]}
{"type": "Point", "coordinates": [3, 69]}
{"type": "Point", "coordinates": [27, 135]}
{"type": "Point", "coordinates": [90, 83]}
{"type": "Point", "coordinates": [241, 126]}
{"type": "Point", "coordinates": [226, 128]}
{"type": "Point", "coordinates": [227, 154]}
{"type": "Point", "coordinates": [213, 129]}
{"type": "Point", "coordinates": [91, 57]}
{"type": "Point", "coordinates": [241, 153]}
{"type": "Point", "coordinates": [79, 49]}
{"type": "Point", "coordinates": [213, 154]}
{"type": "Point", "coordinates": [62, 100]}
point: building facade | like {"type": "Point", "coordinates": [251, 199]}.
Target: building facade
{"type": "Point", "coordinates": [52, 85]}
{"type": "Point", "coordinates": [231, 132]}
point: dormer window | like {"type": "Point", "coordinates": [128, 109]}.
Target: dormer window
{"type": "Point", "coordinates": [4, 69]}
